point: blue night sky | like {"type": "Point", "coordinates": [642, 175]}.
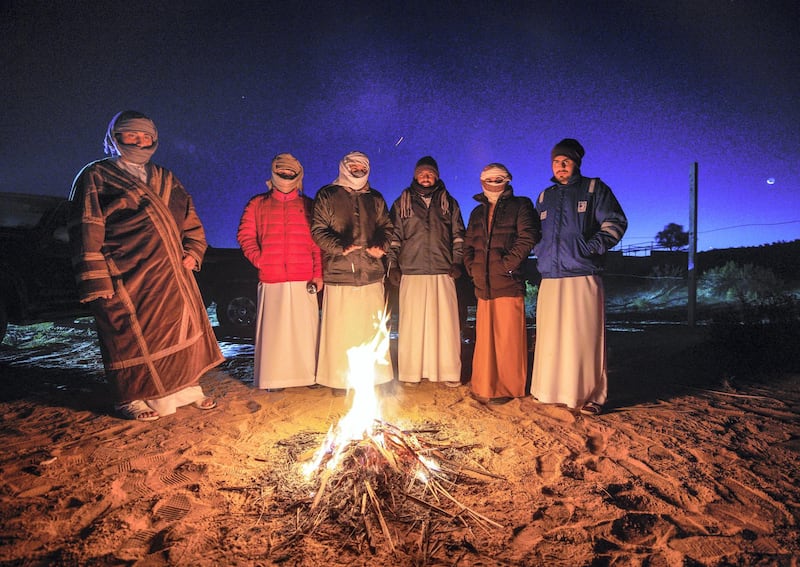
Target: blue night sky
{"type": "Point", "coordinates": [648, 88]}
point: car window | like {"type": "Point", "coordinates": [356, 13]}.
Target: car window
{"type": "Point", "coordinates": [24, 211]}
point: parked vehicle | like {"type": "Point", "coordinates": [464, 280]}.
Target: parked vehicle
{"type": "Point", "coordinates": [36, 277]}
{"type": "Point", "coordinates": [37, 282]}
{"type": "Point", "coordinates": [231, 282]}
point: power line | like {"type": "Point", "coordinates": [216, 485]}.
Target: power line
{"type": "Point", "coordinates": [725, 228]}
{"type": "Point", "coordinates": [750, 224]}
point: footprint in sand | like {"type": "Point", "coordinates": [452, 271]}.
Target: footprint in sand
{"type": "Point", "coordinates": [596, 443]}
{"type": "Point", "coordinates": [136, 546]}
{"type": "Point", "coordinates": [174, 508]}
{"type": "Point", "coordinates": [639, 528]}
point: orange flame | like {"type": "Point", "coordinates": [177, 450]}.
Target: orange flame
{"type": "Point", "coordinates": [365, 410]}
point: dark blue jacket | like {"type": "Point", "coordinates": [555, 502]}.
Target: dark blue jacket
{"type": "Point", "coordinates": [580, 221]}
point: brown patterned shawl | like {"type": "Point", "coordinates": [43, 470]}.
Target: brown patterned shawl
{"type": "Point", "coordinates": [130, 238]}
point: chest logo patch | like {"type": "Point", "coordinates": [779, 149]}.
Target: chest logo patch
{"type": "Point", "coordinates": [582, 206]}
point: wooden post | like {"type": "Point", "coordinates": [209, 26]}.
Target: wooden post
{"type": "Point", "coordinates": [692, 255]}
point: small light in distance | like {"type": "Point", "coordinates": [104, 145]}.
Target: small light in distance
{"type": "Point", "coordinates": [771, 181]}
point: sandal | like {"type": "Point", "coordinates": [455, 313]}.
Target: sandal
{"type": "Point", "coordinates": [591, 408]}
{"type": "Point", "coordinates": [205, 404]}
{"type": "Point", "coordinates": [137, 410]}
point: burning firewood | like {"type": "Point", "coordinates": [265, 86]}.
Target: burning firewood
{"type": "Point", "coordinates": [383, 488]}
{"type": "Point", "coordinates": [374, 481]}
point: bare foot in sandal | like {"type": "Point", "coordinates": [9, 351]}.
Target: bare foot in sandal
{"type": "Point", "coordinates": [205, 404]}
{"type": "Point", "coordinates": [137, 410]}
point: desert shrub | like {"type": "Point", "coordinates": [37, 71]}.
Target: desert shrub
{"type": "Point", "coordinates": [667, 274]}
{"type": "Point", "coordinates": [531, 296]}
{"type": "Point", "coordinates": [741, 283]}
{"type": "Point", "coordinates": [666, 278]}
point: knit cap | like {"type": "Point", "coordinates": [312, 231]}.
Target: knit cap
{"type": "Point", "coordinates": [426, 162]}
{"type": "Point", "coordinates": [570, 148]}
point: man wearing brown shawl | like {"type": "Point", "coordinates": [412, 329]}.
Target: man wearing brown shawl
{"type": "Point", "coordinates": [136, 239]}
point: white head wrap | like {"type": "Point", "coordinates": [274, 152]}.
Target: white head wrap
{"type": "Point", "coordinates": [131, 121]}
{"type": "Point", "coordinates": [286, 162]}
{"type": "Point", "coordinates": [495, 177]}
{"type": "Point", "coordinates": [346, 178]}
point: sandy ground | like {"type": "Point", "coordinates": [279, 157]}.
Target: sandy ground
{"type": "Point", "coordinates": [687, 466]}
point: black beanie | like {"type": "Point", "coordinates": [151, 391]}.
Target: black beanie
{"type": "Point", "coordinates": [569, 147]}
{"type": "Point", "coordinates": [426, 162]}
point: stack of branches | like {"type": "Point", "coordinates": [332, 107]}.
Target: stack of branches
{"type": "Point", "coordinates": [389, 479]}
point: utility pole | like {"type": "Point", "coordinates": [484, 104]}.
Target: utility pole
{"type": "Point", "coordinates": [692, 255]}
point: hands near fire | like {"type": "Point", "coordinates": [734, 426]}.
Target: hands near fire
{"type": "Point", "coordinates": [374, 251]}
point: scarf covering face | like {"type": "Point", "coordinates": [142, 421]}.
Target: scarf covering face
{"type": "Point", "coordinates": [130, 121]}
{"type": "Point", "coordinates": [347, 179]}
{"type": "Point", "coordinates": [284, 162]}
{"type": "Point", "coordinates": [494, 178]}
{"type": "Point", "coordinates": [492, 196]}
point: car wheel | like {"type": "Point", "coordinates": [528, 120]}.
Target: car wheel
{"type": "Point", "coordinates": [236, 313]}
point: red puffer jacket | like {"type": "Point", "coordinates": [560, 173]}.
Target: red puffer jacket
{"type": "Point", "coordinates": [275, 235]}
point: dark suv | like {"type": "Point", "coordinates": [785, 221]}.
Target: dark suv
{"type": "Point", "coordinates": [36, 278]}
{"type": "Point", "coordinates": [231, 282]}
{"type": "Point", "coordinates": [37, 282]}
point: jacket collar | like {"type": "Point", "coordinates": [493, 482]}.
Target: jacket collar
{"type": "Point", "coordinates": [576, 178]}
{"type": "Point", "coordinates": [282, 197]}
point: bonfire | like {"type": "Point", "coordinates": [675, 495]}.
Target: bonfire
{"type": "Point", "coordinates": [370, 475]}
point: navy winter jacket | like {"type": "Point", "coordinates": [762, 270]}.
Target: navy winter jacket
{"type": "Point", "coordinates": [581, 221]}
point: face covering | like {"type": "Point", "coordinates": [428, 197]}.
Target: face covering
{"type": "Point", "coordinates": [129, 121]}
{"type": "Point", "coordinates": [279, 181]}
{"type": "Point", "coordinates": [355, 181]}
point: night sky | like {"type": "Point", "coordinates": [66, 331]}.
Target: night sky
{"type": "Point", "coordinates": [648, 87]}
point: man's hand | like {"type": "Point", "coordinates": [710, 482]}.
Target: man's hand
{"type": "Point", "coordinates": [189, 262]}
{"type": "Point", "coordinates": [376, 252]}
{"type": "Point", "coordinates": [319, 283]}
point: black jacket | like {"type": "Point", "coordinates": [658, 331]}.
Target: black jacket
{"type": "Point", "coordinates": [428, 239]}
{"type": "Point", "coordinates": [494, 258]}
{"type": "Point", "coordinates": [342, 218]}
